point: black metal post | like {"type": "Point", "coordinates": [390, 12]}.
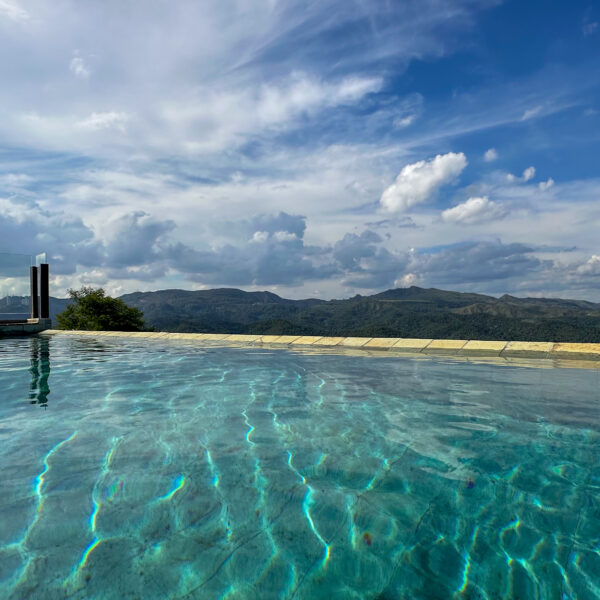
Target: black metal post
{"type": "Point", "coordinates": [44, 292]}
{"type": "Point", "coordinates": [33, 288]}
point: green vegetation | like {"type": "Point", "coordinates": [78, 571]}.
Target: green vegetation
{"type": "Point", "coordinates": [411, 312]}
{"type": "Point", "coordinates": [93, 310]}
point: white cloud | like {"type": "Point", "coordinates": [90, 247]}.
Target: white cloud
{"type": "Point", "coordinates": [490, 155]}
{"type": "Point", "coordinates": [79, 68]}
{"type": "Point", "coordinates": [400, 123]}
{"type": "Point", "coordinates": [590, 28]}
{"type": "Point", "coordinates": [531, 112]}
{"type": "Point", "coordinates": [12, 11]}
{"type": "Point", "coordinates": [352, 89]}
{"type": "Point", "coordinates": [282, 101]}
{"type": "Point", "coordinates": [407, 280]}
{"type": "Point", "coordinates": [591, 267]}
{"type": "Point", "coordinates": [474, 210]}
{"type": "Point", "coordinates": [285, 236]}
{"type": "Point", "coordinates": [546, 185]}
{"type": "Point", "coordinates": [417, 182]}
{"type": "Point", "coordinates": [528, 173]}
{"type": "Point", "coordinates": [260, 237]}
{"type": "Point", "coordinates": [15, 180]}
{"type": "Point", "coordinates": [215, 118]}
{"type": "Point", "coordinates": [104, 120]}
{"type": "Point", "coordinates": [25, 227]}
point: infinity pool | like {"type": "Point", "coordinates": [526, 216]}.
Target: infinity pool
{"type": "Point", "coordinates": [141, 469]}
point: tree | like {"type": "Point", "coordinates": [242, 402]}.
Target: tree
{"type": "Point", "coordinates": [93, 310]}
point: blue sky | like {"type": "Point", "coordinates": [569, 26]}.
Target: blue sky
{"type": "Point", "coordinates": [310, 148]}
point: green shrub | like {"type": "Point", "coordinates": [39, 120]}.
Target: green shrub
{"type": "Point", "coordinates": [93, 310]}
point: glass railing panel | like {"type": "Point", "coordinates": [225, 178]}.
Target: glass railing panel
{"type": "Point", "coordinates": [15, 290]}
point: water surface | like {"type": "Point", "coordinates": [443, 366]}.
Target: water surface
{"type": "Point", "coordinates": [144, 469]}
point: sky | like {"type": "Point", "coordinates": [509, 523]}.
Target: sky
{"type": "Point", "coordinates": [319, 148]}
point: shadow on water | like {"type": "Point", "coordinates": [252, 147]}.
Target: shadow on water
{"type": "Point", "coordinates": [40, 371]}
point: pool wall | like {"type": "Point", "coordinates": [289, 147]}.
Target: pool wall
{"type": "Point", "coordinates": [23, 327]}
{"type": "Point", "coordinates": [586, 354]}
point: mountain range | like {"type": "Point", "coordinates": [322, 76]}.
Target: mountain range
{"type": "Point", "coordinates": [403, 312]}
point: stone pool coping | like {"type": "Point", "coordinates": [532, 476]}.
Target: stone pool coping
{"type": "Point", "coordinates": [583, 353]}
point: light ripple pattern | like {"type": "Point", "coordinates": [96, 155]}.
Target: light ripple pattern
{"type": "Point", "coordinates": [165, 470]}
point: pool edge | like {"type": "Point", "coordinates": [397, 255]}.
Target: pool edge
{"type": "Point", "coordinates": [510, 352]}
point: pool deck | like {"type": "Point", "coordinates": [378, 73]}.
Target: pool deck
{"type": "Point", "coordinates": [587, 354]}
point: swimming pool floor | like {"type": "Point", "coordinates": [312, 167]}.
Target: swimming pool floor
{"type": "Point", "coordinates": [169, 470]}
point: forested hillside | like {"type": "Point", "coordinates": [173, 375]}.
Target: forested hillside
{"type": "Point", "coordinates": [406, 312]}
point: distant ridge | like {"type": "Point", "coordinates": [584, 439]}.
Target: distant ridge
{"type": "Point", "coordinates": [402, 312]}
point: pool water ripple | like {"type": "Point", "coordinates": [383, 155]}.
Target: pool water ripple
{"type": "Point", "coordinates": [163, 470]}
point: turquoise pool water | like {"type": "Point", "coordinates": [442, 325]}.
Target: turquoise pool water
{"type": "Point", "coordinates": [139, 469]}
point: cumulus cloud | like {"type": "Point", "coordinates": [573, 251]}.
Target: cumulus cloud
{"type": "Point", "coordinates": [262, 226]}
{"type": "Point", "coordinates": [478, 262]}
{"type": "Point", "coordinates": [546, 185]}
{"type": "Point", "coordinates": [265, 250]}
{"type": "Point", "coordinates": [262, 260]}
{"type": "Point", "coordinates": [284, 236]}
{"type": "Point", "coordinates": [474, 210]}
{"type": "Point", "coordinates": [366, 264]}
{"type": "Point", "coordinates": [490, 155]}
{"type": "Point", "coordinates": [590, 267]}
{"type": "Point", "coordinates": [137, 246]}
{"type": "Point", "coordinates": [25, 227]}
{"type": "Point", "coordinates": [352, 248]}
{"type": "Point", "coordinates": [260, 236]}
{"type": "Point", "coordinates": [135, 239]}
{"type": "Point", "coordinates": [378, 271]}
{"type": "Point", "coordinates": [528, 174]}
{"type": "Point", "coordinates": [418, 182]}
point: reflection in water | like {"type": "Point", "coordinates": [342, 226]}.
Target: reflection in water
{"type": "Point", "coordinates": [40, 371]}
{"type": "Point", "coordinates": [94, 350]}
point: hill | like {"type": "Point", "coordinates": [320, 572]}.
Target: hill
{"type": "Point", "coordinates": [403, 312]}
